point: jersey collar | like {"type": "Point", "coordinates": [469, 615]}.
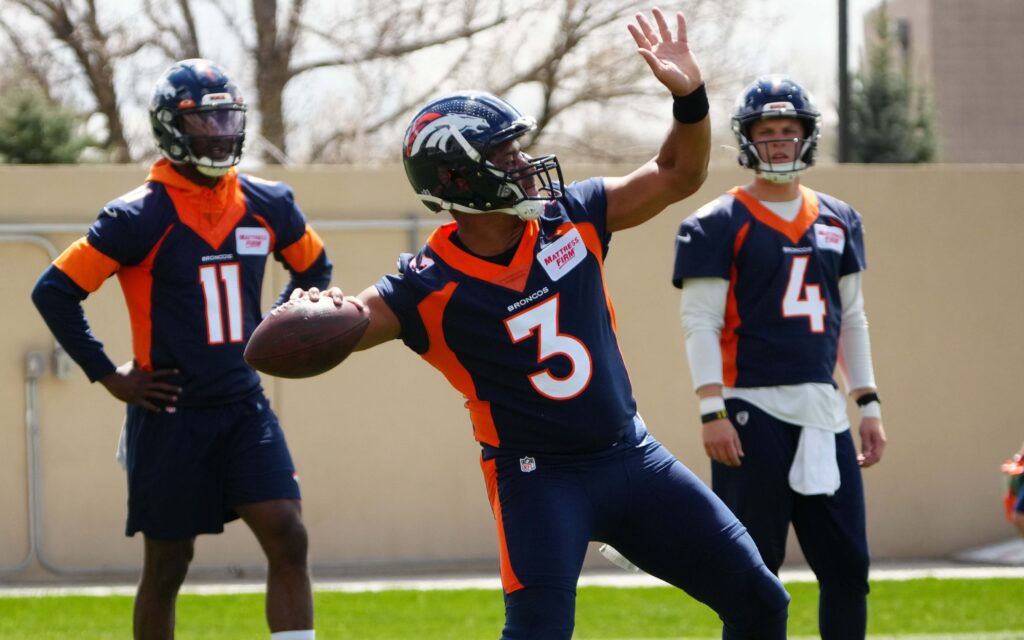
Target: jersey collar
{"type": "Point", "coordinates": [210, 213]}
{"type": "Point", "coordinates": [794, 230]}
{"type": "Point", "coordinates": [513, 276]}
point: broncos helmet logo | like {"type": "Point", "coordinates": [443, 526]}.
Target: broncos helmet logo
{"type": "Point", "coordinates": [435, 131]}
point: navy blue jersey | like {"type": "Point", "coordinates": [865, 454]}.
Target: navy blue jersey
{"type": "Point", "coordinates": [190, 261]}
{"type": "Point", "coordinates": [783, 311]}
{"type": "Point", "coordinates": [531, 345]}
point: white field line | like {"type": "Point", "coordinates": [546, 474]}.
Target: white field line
{"type": "Point", "coordinates": [617, 579]}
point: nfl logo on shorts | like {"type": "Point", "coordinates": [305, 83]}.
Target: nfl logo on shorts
{"type": "Point", "coordinates": [527, 464]}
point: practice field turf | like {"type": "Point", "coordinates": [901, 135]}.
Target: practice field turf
{"type": "Point", "coordinates": [988, 609]}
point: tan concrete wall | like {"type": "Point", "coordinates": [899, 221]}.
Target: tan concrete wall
{"type": "Point", "coordinates": [388, 466]}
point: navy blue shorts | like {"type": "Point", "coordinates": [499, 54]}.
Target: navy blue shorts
{"type": "Point", "coordinates": [642, 501]}
{"type": "Point", "coordinates": [187, 470]}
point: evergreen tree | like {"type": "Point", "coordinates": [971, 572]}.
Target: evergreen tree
{"type": "Point", "coordinates": [891, 119]}
{"type": "Point", "coordinates": [33, 130]}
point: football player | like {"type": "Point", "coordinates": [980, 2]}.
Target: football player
{"type": "Point", "coordinates": [189, 248]}
{"type": "Point", "coordinates": [509, 303]}
{"type": "Point", "coordinates": [771, 299]}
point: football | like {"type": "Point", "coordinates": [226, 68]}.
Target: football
{"type": "Point", "coordinates": [301, 338]}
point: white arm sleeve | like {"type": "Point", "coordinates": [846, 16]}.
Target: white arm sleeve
{"type": "Point", "coordinates": [702, 311]}
{"type": "Point", "coordinates": [854, 342]}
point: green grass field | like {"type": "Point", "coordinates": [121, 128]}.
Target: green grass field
{"type": "Point", "coordinates": [985, 609]}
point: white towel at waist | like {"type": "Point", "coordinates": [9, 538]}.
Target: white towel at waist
{"type": "Point", "coordinates": [820, 411]}
{"type": "Point", "coordinates": [814, 470]}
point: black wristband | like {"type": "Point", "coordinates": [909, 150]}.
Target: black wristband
{"type": "Point", "coordinates": [721, 414]}
{"type": "Point", "coordinates": [868, 398]}
{"type": "Point", "coordinates": [691, 108]}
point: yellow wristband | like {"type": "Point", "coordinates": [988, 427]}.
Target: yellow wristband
{"type": "Point", "coordinates": [714, 415]}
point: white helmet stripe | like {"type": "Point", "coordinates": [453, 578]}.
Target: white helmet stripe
{"type": "Point", "coordinates": [436, 134]}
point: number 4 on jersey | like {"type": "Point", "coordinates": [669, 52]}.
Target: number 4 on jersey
{"type": "Point", "coordinates": [803, 299]}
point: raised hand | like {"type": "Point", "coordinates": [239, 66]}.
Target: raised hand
{"type": "Point", "coordinates": [669, 58]}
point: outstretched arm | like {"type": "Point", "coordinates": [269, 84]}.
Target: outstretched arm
{"type": "Point", "coordinates": [681, 164]}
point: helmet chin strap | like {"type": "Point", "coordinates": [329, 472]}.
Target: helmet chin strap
{"type": "Point", "coordinates": [529, 209]}
{"type": "Point", "coordinates": [767, 171]}
{"type": "Point", "coordinates": [210, 167]}
{"type": "Point", "coordinates": [780, 177]}
{"type": "Point", "coordinates": [212, 172]}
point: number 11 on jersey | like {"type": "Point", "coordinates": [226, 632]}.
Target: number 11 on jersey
{"type": "Point", "coordinates": [230, 275]}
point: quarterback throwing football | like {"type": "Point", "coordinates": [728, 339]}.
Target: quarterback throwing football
{"type": "Point", "coordinates": [509, 302]}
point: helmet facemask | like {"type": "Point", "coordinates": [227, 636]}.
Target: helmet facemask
{"type": "Point", "coordinates": [210, 139]}
{"type": "Point", "coordinates": [527, 189]}
{"type": "Point", "coordinates": [779, 172]}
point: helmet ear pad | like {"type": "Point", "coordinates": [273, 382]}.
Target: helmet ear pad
{"type": "Point", "coordinates": [163, 125]}
{"type": "Point", "coordinates": [810, 156]}
{"type": "Point", "coordinates": [747, 158]}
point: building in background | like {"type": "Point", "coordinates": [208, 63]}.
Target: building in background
{"type": "Point", "coordinates": [970, 56]}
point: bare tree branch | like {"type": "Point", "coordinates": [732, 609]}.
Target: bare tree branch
{"type": "Point", "coordinates": [383, 119]}
{"type": "Point", "coordinates": [231, 18]}
{"type": "Point", "coordinates": [273, 54]}
{"type": "Point", "coordinates": [293, 33]}
{"type": "Point", "coordinates": [378, 61]}
{"type": "Point", "coordinates": [191, 37]}
{"type": "Point", "coordinates": [88, 43]}
{"type": "Point", "coordinates": [400, 50]}
{"type": "Point", "coordinates": [28, 63]}
{"type": "Point", "coordinates": [177, 36]}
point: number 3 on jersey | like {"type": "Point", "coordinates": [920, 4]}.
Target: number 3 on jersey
{"type": "Point", "coordinates": [542, 319]}
{"type": "Point", "coordinates": [803, 299]}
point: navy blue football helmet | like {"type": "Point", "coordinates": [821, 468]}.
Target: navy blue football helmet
{"type": "Point", "coordinates": [198, 117]}
{"type": "Point", "coordinates": [446, 152]}
{"type": "Point", "coordinates": [776, 96]}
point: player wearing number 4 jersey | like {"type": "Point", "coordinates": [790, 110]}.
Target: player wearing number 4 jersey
{"type": "Point", "coordinates": [189, 248]}
{"type": "Point", "coordinates": [771, 299]}
{"type": "Point", "coordinates": [509, 303]}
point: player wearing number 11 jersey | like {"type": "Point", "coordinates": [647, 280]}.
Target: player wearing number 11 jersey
{"type": "Point", "coordinates": [771, 299]}
{"type": "Point", "coordinates": [189, 247]}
